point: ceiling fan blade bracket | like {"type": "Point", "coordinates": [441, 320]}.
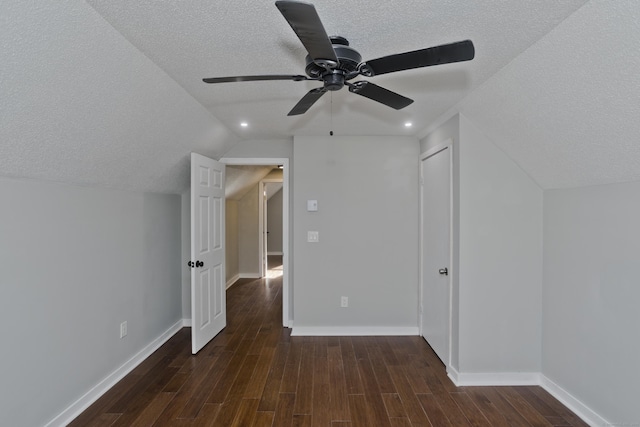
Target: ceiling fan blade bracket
{"type": "Point", "coordinates": [327, 64]}
{"type": "Point", "coordinates": [365, 70]}
{"type": "Point", "coordinates": [357, 86]}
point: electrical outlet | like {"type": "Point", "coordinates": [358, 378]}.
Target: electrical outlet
{"type": "Point", "coordinates": [344, 301]}
{"type": "Point", "coordinates": [313, 236]}
{"type": "Point", "coordinates": [123, 329]}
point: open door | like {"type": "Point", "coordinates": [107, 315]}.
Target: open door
{"type": "Point", "coordinates": [208, 298]}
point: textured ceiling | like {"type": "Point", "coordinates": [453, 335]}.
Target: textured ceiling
{"type": "Point", "coordinates": [109, 92]}
{"type": "Point", "coordinates": [80, 104]}
{"type": "Point", "coordinates": [567, 109]}
{"type": "Point", "coordinates": [195, 39]}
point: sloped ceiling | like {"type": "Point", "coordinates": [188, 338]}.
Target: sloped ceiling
{"type": "Point", "coordinates": [195, 39]}
{"type": "Point", "coordinates": [80, 104]}
{"type": "Point", "coordinates": [109, 92]}
{"type": "Point", "coordinates": [240, 179]}
{"type": "Point", "coordinates": [567, 110]}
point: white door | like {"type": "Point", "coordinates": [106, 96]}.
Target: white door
{"type": "Point", "coordinates": [435, 171]}
{"type": "Point", "coordinates": [208, 299]}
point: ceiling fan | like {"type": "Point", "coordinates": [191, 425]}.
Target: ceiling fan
{"type": "Point", "coordinates": [332, 61]}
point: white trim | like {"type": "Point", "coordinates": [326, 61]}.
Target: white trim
{"type": "Point", "coordinates": [447, 144]}
{"type": "Point", "coordinates": [453, 375]}
{"type": "Point", "coordinates": [186, 323]}
{"type": "Point", "coordinates": [232, 281]}
{"type": "Point", "coordinates": [588, 415]}
{"type": "Point", "coordinates": [354, 331]}
{"type": "Point", "coordinates": [264, 216]}
{"type": "Point", "coordinates": [262, 201]}
{"type": "Point", "coordinates": [77, 407]}
{"type": "Point", "coordinates": [580, 409]}
{"type": "Point", "coordinates": [286, 242]}
{"type": "Point", "coordinates": [493, 378]}
{"type": "Point", "coordinates": [249, 276]}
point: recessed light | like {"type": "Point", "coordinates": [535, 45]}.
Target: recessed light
{"type": "Point", "coordinates": [408, 124]}
{"type": "Point", "coordinates": [244, 124]}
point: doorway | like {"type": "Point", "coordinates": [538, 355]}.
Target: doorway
{"type": "Point", "coordinates": [435, 249]}
{"type": "Point", "coordinates": [271, 189]}
{"type": "Point", "coordinates": [284, 162]}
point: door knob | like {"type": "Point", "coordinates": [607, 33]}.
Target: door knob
{"type": "Point", "coordinates": [199, 263]}
{"type": "Point", "coordinates": [191, 264]}
{"type": "Point", "coordinates": [444, 271]}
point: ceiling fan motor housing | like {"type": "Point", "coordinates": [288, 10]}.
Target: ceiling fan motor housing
{"type": "Point", "coordinates": [348, 58]}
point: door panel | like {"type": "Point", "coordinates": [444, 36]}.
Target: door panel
{"type": "Point", "coordinates": [435, 257]}
{"type": "Point", "coordinates": [208, 298]}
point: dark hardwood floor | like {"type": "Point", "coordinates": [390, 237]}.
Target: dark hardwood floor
{"type": "Point", "coordinates": [255, 374]}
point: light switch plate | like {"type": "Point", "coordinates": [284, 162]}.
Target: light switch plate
{"type": "Point", "coordinates": [313, 236]}
{"type": "Point", "coordinates": [312, 205]}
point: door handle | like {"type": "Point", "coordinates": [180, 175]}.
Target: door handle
{"type": "Point", "coordinates": [191, 264]}
{"type": "Point", "coordinates": [444, 271]}
{"type": "Point", "coordinates": [199, 263]}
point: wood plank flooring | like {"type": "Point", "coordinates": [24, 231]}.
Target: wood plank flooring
{"type": "Point", "coordinates": [255, 374]}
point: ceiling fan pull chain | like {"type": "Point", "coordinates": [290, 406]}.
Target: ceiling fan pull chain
{"type": "Point", "coordinates": [331, 114]}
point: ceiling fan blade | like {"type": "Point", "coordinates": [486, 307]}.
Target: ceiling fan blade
{"type": "Point", "coordinates": [444, 54]}
{"type": "Point", "coordinates": [306, 23]}
{"type": "Point", "coordinates": [307, 101]}
{"type": "Point", "coordinates": [254, 78]}
{"type": "Point", "coordinates": [380, 94]}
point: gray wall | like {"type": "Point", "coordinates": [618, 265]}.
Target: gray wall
{"type": "Point", "coordinates": [591, 292]}
{"type": "Point", "coordinates": [274, 222]}
{"type": "Point", "coordinates": [231, 239]}
{"type": "Point", "coordinates": [500, 270]}
{"type": "Point", "coordinates": [497, 255]}
{"type": "Point", "coordinates": [185, 214]}
{"type": "Point", "coordinates": [367, 190]}
{"type": "Point", "coordinates": [261, 149]}
{"type": "Point", "coordinates": [74, 263]}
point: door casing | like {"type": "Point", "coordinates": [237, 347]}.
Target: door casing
{"type": "Point", "coordinates": [448, 146]}
{"type": "Point", "coordinates": [287, 310]}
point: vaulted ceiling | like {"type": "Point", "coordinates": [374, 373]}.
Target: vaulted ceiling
{"type": "Point", "coordinates": [195, 39]}
{"type": "Point", "coordinates": [109, 92]}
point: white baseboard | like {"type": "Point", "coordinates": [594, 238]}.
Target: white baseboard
{"type": "Point", "coordinates": [493, 378]}
{"type": "Point", "coordinates": [580, 409]}
{"type": "Point", "coordinates": [239, 276]}
{"type": "Point", "coordinates": [76, 408]}
{"type": "Point", "coordinates": [186, 323]}
{"type": "Point", "coordinates": [353, 331]}
{"type": "Point", "coordinates": [529, 378]}
{"type": "Point", "coordinates": [249, 276]}
{"type": "Point", "coordinates": [232, 281]}
{"type": "Point", "coordinates": [453, 375]}
{"type": "Point", "coordinates": [275, 253]}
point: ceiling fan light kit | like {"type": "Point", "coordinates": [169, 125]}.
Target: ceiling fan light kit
{"type": "Point", "coordinates": [333, 62]}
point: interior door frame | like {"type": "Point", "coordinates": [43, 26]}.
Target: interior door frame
{"type": "Point", "coordinates": [262, 226]}
{"type": "Point", "coordinates": [448, 144]}
{"type": "Point", "coordinates": [286, 243]}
